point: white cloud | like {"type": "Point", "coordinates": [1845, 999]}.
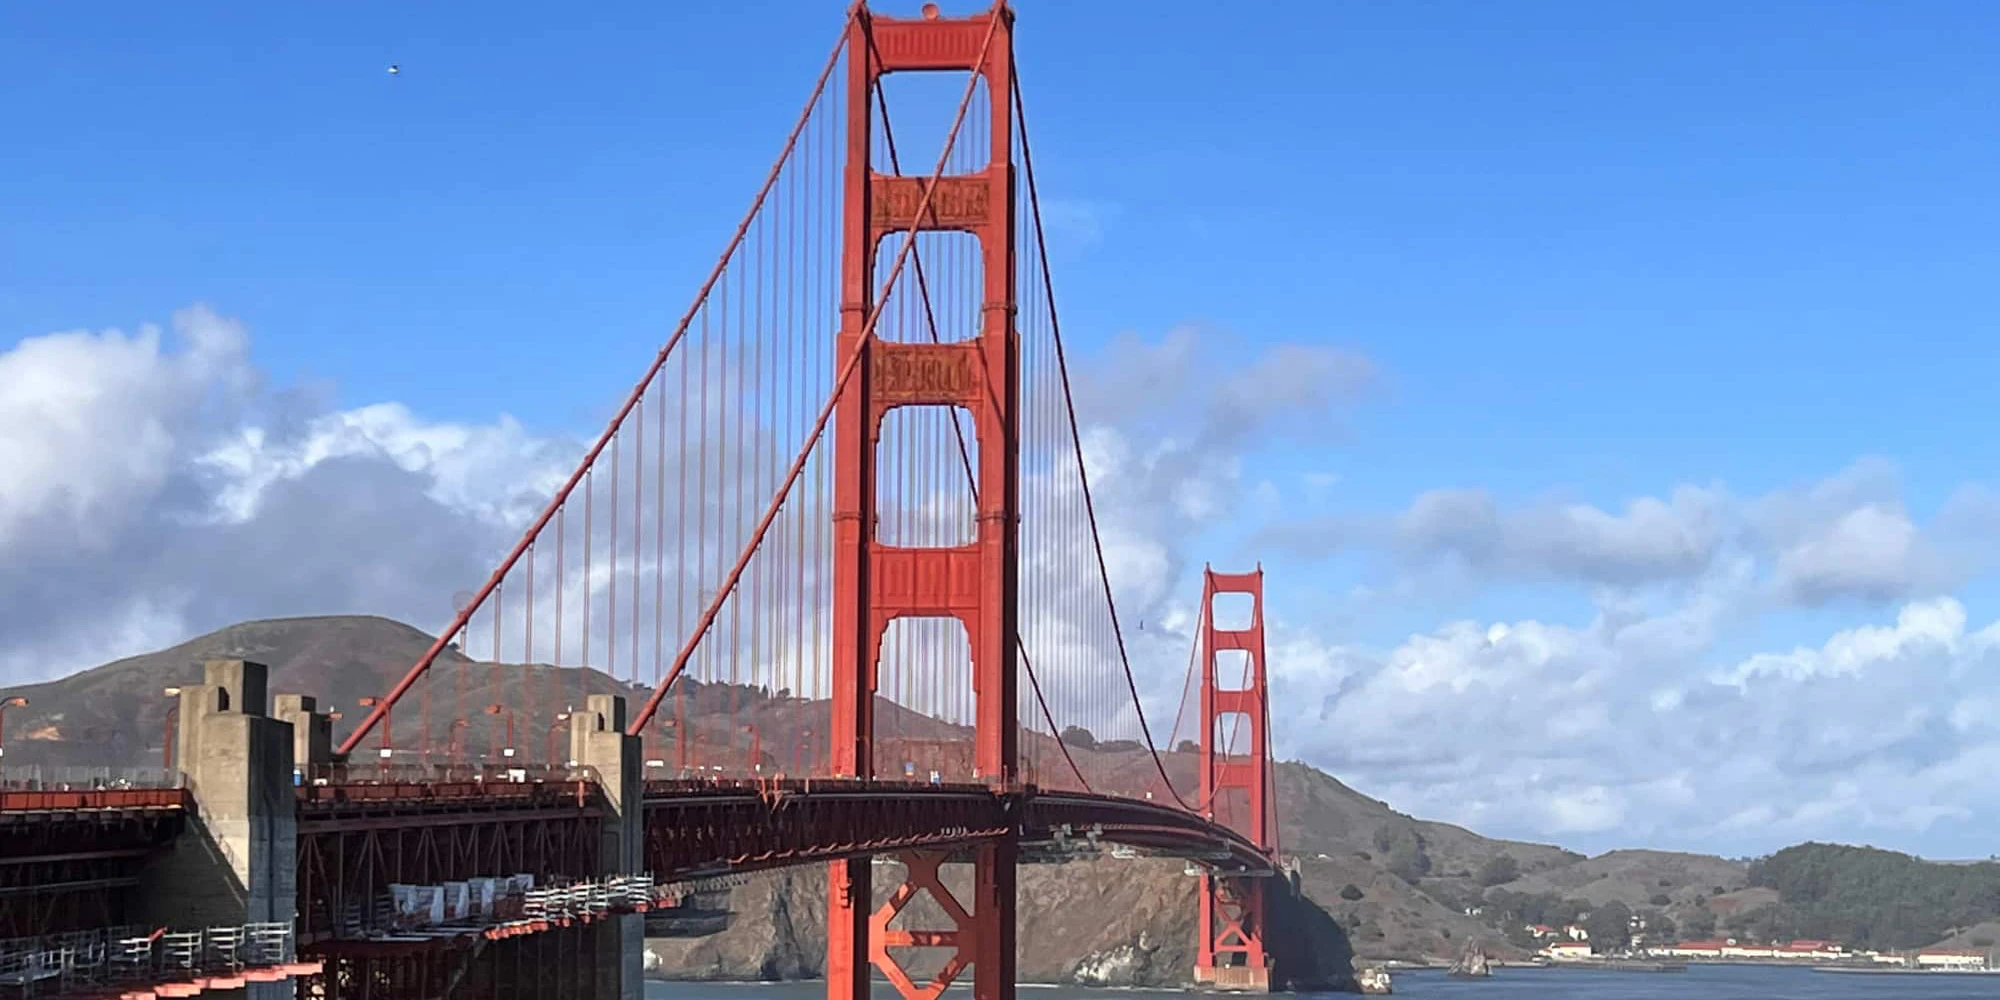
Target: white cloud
{"type": "Point", "coordinates": [1623, 729]}
{"type": "Point", "coordinates": [472, 468]}
{"type": "Point", "coordinates": [1651, 539]}
{"type": "Point", "coordinates": [1563, 732]}
{"type": "Point", "coordinates": [1593, 809]}
{"type": "Point", "coordinates": [92, 424]}
{"type": "Point", "coordinates": [1927, 628]}
{"type": "Point", "coordinates": [1872, 551]}
{"type": "Point", "coordinates": [157, 489]}
{"type": "Point", "coordinates": [1847, 538]}
{"type": "Point", "coordinates": [1165, 425]}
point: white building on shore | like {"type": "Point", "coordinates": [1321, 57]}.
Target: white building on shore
{"type": "Point", "coordinates": [1951, 958]}
{"type": "Point", "coordinates": [1693, 949]}
{"type": "Point", "coordinates": [1731, 948]}
{"type": "Point", "coordinates": [1568, 951]}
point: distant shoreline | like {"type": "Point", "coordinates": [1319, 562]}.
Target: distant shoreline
{"type": "Point", "coordinates": [1855, 970]}
{"type": "Point", "coordinates": [1775, 963]}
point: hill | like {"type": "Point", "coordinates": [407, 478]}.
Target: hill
{"type": "Point", "coordinates": [1638, 879]}
{"type": "Point", "coordinates": [114, 715]}
{"type": "Point", "coordinates": [1385, 883]}
{"type": "Point", "coordinates": [1874, 898]}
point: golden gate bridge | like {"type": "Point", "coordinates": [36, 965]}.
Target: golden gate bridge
{"type": "Point", "coordinates": [841, 534]}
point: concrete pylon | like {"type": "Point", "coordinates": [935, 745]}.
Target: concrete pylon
{"type": "Point", "coordinates": [597, 741]}
{"type": "Point", "coordinates": [312, 733]}
{"type": "Point", "coordinates": [236, 861]}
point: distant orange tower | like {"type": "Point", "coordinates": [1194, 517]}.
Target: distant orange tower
{"type": "Point", "coordinates": [1231, 930]}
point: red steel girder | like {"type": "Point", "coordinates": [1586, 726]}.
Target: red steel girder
{"type": "Point", "coordinates": [69, 859]}
{"type": "Point", "coordinates": [354, 841]}
{"type": "Point", "coordinates": [701, 827]}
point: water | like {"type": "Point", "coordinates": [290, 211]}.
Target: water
{"type": "Point", "coordinates": [1699, 982]}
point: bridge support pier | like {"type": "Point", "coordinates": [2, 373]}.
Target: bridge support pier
{"type": "Point", "coordinates": [849, 899]}
{"type": "Point", "coordinates": [1232, 928]}
{"type": "Point", "coordinates": [994, 919]}
{"type": "Point", "coordinates": [236, 861]}
{"type": "Point", "coordinates": [312, 734]}
{"type": "Point", "coordinates": [598, 741]}
{"type": "Point", "coordinates": [981, 932]}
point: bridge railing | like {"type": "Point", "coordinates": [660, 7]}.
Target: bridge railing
{"type": "Point", "coordinates": [503, 904]}
{"type": "Point", "coordinates": [66, 777]}
{"type": "Point", "coordinates": [103, 960]}
{"type": "Point", "coordinates": [419, 773]}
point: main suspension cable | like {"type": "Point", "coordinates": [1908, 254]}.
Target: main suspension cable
{"type": "Point", "coordinates": [1076, 442]}
{"type": "Point", "coordinates": [722, 593]}
{"type": "Point", "coordinates": [458, 623]}
{"type": "Point", "coordinates": [964, 452]}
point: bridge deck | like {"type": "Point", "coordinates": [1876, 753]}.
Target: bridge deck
{"type": "Point", "coordinates": [701, 827]}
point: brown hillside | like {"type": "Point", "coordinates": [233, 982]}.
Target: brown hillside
{"type": "Point", "coordinates": [1636, 877]}
{"type": "Point", "coordinates": [112, 716]}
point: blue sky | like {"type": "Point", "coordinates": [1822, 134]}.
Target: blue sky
{"type": "Point", "coordinates": [1592, 252]}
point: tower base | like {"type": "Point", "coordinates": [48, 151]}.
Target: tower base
{"type": "Point", "coordinates": [1234, 978]}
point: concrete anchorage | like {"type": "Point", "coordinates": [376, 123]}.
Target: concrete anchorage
{"type": "Point", "coordinates": [236, 861]}
{"type": "Point", "coordinates": [312, 733]}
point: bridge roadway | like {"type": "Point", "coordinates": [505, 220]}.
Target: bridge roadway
{"type": "Point", "coordinates": [701, 827]}
{"type": "Point", "coordinates": [355, 838]}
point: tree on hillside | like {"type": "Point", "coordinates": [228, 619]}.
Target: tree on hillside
{"type": "Point", "coordinates": [1077, 736]}
{"type": "Point", "coordinates": [1507, 906]}
{"type": "Point", "coordinates": [1660, 928]}
{"type": "Point", "coordinates": [1563, 912]}
{"type": "Point", "coordinates": [1498, 870]}
{"type": "Point", "coordinates": [1456, 897]}
{"type": "Point", "coordinates": [1699, 926]}
{"type": "Point", "coordinates": [1520, 937]}
{"type": "Point", "coordinates": [1610, 927]}
{"type": "Point", "coordinates": [1404, 850]}
{"type": "Point", "coordinates": [1351, 892]}
{"type": "Point", "coordinates": [1536, 908]}
{"type": "Point", "coordinates": [1772, 923]}
{"type": "Point", "coordinates": [1408, 862]}
{"type": "Point", "coordinates": [1866, 897]}
{"type": "Point", "coordinates": [1659, 899]}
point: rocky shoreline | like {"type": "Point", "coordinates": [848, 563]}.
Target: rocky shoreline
{"type": "Point", "coordinates": [1095, 923]}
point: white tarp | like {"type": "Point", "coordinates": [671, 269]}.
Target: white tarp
{"type": "Point", "coordinates": [418, 904]}
{"type": "Point", "coordinates": [483, 892]}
